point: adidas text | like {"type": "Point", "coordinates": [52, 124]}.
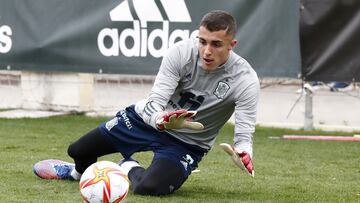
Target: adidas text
{"type": "Point", "coordinates": [142, 41]}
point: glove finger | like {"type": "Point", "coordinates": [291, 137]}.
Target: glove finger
{"type": "Point", "coordinates": [160, 123]}
{"type": "Point", "coordinates": [160, 120]}
{"type": "Point", "coordinates": [242, 160]}
{"type": "Point", "coordinates": [249, 168]}
{"type": "Point", "coordinates": [246, 160]}
{"type": "Point", "coordinates": [193, 125]}
{"type": "Point", "coordinates": [234, 156]}
{"type": "Point", "coordinates": [168, 115]}
{"type": "Point", "coordinates": [182, 116]}
{"type": "Point", "coordinates": [236, 159]}
{"type": "Point", "coordinates": [179, 112]}
{"type": "Point", "coordinates": [191, 114]}
{"type": "Point", "coordinates": [227, 148]}
{"type": "Point", "coordinates": [172, 118]}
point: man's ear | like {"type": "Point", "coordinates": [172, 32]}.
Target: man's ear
{"type": "Point", "coordinates": [233, 44]}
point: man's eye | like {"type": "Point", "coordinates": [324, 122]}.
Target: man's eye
{"type": "Point", "coordinates": [217, 44]}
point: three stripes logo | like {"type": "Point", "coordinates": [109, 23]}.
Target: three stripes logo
{"type": "Point", "coordinates": [144, 41]}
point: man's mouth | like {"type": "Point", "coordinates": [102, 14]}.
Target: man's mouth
{"type": "Point", "coordinates": [208, 61]}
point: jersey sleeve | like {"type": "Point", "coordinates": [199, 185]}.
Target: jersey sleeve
{"type": "Point", "coordinates": [245, 117]}
{"type": "Point", "coordinates": [164, 86]}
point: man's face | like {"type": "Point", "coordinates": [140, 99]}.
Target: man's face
{"type": "Point", "coordinates": [214, 47]}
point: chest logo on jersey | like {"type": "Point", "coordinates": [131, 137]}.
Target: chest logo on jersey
{"type": "Point", "coordinates": [221, 90]}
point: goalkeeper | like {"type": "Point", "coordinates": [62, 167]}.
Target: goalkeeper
{"type": "Point", "coordinates": [200, 84]}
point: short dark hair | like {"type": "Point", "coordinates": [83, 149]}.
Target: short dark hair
{"type": "Point", "coordinates": [219, 20]}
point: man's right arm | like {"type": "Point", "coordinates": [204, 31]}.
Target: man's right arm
{"type": "Point", "coordinates": [167, 80]}
{"type": "Point", "coordinates": [164, 86]}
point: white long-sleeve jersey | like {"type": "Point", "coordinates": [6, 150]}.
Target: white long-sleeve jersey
{"type": "Point", "coordinates": [182, 83]}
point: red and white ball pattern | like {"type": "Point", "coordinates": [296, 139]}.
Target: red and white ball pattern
{"type": "Point", "coordinates": [104, 182]}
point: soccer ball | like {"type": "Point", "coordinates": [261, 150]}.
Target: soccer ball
{"type": "Point", "coordinates": [104, 182]}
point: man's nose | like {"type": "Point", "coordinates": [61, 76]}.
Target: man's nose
{"type": "Point", "coordinates": [208, 50]}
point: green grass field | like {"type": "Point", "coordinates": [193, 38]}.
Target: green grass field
{"type": "Point", "coordinates": [286, 171]}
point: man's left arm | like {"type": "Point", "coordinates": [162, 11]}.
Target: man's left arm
{"type": "Point", "coordinates": [241, 151]}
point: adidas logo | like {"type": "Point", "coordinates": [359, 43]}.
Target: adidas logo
{"type": "Point", "coordinates": [5, 39]}
{"type": "Point", "coordinates": [138, 40]}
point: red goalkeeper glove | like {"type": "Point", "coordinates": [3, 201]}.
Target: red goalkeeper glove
{"type": "Point", "coordinates": [178, 119]}
{"type": "Point", "coordinates": [242, 159]}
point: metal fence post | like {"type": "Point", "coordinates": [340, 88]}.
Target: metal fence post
{"type": "Point", "coordinates": [308, 121]}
